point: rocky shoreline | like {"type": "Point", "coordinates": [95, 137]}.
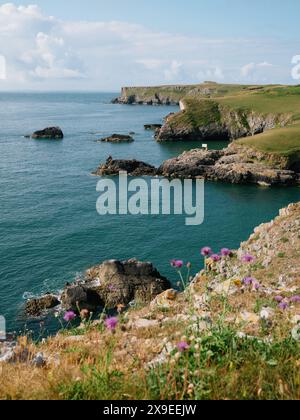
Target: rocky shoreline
{"type": "Point", "coordinates": [235, 164]}
{"type": "Point", "coordinates": [108, 285]}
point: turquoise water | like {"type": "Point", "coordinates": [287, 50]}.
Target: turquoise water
{"type": "Point", "coordinates": [49, 227]}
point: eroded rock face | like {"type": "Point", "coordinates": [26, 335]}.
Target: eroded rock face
{"type": "Point", "coordinates": [117, 138]}
{"type": "Point", "coordinates": [109, 284]}
{"type": "Point", "coordinates": [119, 282]}
{"type": "Point", "coordinates": [132, 167]}
{"type": "Point", "coordinates": [78, 297]}
{"type": "Point", "coordinates": [48, 133]}
{"type": "Point", "coordinates": [36, 307]}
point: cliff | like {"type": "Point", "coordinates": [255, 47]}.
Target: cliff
{"type": "Point", "coordinates": [232, 333]}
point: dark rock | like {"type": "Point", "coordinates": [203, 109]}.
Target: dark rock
{"type": "Point", "coordinates": [132, 167]}
{"type": "Point", "coordinates": [117, 138]}
{"type": "Point", "coordinates": [152, 126]}
{"type": "Point", "coordinates": [78, 297]}
{"type": "Point", "coordinates": [119, 282]}
{"type": "Point", "coordinates": [35, 307]}
{"type": "Point", "coordinates": [48, 133]}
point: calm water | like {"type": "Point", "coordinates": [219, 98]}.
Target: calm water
{"type": "Point", "coordinates": [49, 227]}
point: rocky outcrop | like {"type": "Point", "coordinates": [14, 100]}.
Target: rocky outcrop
{"type": "Point", "coordinates": [35, 307]}
{"type": "Point", "coordinates": [120, 282]}
{"type": "Point", "coordinates": [132, 167]}
{"type": "Point", "coordinates": [52, 133]}
{"type": "Point", "coordinates": [236, 165]}
{"type": "Point", "coordinates": [150, 96]}
{"type": "Point", "coordinates": [106, 285]}
{"type": "Point", "coordinates": [153, 127]}
{"type": "Point", "coordinates": [117, 138]}
{"type": "Point", "coordinates": [204, 120]}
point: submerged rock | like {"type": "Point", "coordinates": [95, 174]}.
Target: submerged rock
{"type": "Point", "coordinates": [117, 138]}
{"type": "Point", "coordinates": [48, 133]}
{"type": "Point", "coordinates": [35, 307]}
{"type": "Point", "coordinates": [132, 167]}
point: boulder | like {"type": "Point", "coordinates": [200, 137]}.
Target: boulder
{"type": "Point", "coordinates": [132, 167]}
{"type": "Point", "coordinates": [121, 282]}
{"type": "Point", "coordinates": [48, 133]}
{"type": "Point", "coordinates": [153, 127]}
{"type": "Point", "coordinates": [77, 297]}
{"type": "Point", "coordinates": [117, 138]}
{"type": "Point", "coordinates": [35, 307]}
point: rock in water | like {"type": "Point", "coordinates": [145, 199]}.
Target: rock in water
{"type": "Point", "coordinates": [152, 126]}
{"type": "Point", "coordinates": [117, 138]}
{"type": "Point", "coordinates": [35, 307]}
{"type": "Point", "coordinates": [52, 133]}
{"type": "Point", "coordinates": [132, 167]}
{"type": "Point", "coordinates": [123, 282]}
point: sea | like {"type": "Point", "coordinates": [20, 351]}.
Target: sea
{"type": "Point", "coordinates": [50, 230]}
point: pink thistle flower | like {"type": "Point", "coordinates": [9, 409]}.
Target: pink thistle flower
{"type": "Point", "coordinates": [248, 259]}
{"type": "Point", "coordinates": [250, 280]}
{"type": "Point", "coordinates": [183, 346]}
{"type": "Point", "coordinates": [283, 305]}
{"type": "Point", "coordinates": [177, 263]}
{"type": "Point", "coordinates": [69, 316]}
{"type": "Point", "coordinates": [206, 251]}
{"type": "Point", "coordinates": [225, 252]}
{"type": "Point", "coordinates": [215, 258]}
{"type": "Point", "coordinates": [295, 299]}
{"type": "Point", "coordinates": [278, 298]}
{"type": "Point", "coordinates": [111, 323]}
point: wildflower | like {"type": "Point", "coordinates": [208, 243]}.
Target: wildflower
{"type": "Point", "coordinates": [225, 252]}
{"type": "Point", "coordinates": [278, 298]}
{"type": "Point", "coordinates": [111, 323]}
{"type": "Point", "coordinates": [183, 346]}
{"type": "Point", "coordinates": [283, 305]}
{"type": "Point", "coordinates": [177, 263]}
{"type": "Point", "coordinates": [237, 283]}
{"type": "Point", "coordinates": [189, 265]}
{"type": "Point", "coordinates": [248, 281]}
{"type": "Point", "coordinates": [69, 316]}
{"type": "Point", "coordinates": [295, 299]}
{"type": "Point", "coordinates": [206, 251]}
{"type": "Point", "coordinates": [247, 258]}
{"type": "Point", "coordinates": [215, 258]}
{"type": "Point", "coordinates": [256, 285]}
{"type": "Point", "coordinates": [84, 314]}
{"type": "Point", "coordinates": [120, 308]}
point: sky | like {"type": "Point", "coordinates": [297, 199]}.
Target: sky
{"type": "Point", "coordinates": [101, 45]}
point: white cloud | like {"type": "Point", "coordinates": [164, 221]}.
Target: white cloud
{"type": "Point", "coordinates": [44, 52]}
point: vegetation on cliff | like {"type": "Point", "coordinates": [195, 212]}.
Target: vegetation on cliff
{"type": "Point", "coordinates": [232, 333]}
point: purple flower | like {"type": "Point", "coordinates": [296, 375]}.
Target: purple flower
{"type": "Point", "coordinates": [215, 258]}
{"type": "Point", "coordinates": [295, 299]}
{"type": "Point", "coordinates": [177, 263]}
{"type": "Point", "coordinates": [183, 346]}
{"type": "Point", "coordinates": [256, 285]}
{"type": "Point", "coordinates": [225, 252]}
{"type": "Point", "coordinates": [69, 316]}
{"type": "Point", "coordinates": [247, 258]}
{"type": "Point", "coordinates": [206, 251]}
{"type": "Point", "coordinates": [278, 298]}
{"type": "Point", "coordinates": [283, 306]}
{"type": "Point", "coordinates": [111, 323]}
{"type": "Point", "coordinates": [248, 281]}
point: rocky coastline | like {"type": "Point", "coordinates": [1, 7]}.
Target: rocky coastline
{"type": "Point", "coordinates": [108, 285]}
{"type": "Point", "coordinates": [235, 164]}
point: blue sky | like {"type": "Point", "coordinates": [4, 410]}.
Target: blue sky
{"type": "Point", "coordinates": [100, 44]}
{"type": "Point", "coordinates": [202, 17]}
